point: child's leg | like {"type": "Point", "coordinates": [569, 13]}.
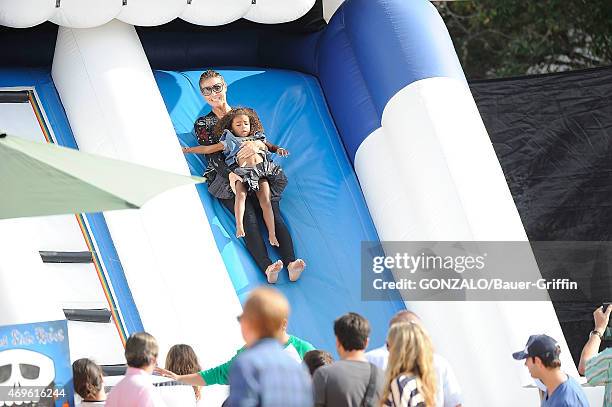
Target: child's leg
{"type": "Point", "coordinates": [263, 195]}
{"type": "Point", "coordinates": [239, 202]}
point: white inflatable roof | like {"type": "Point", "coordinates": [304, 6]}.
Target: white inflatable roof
{"type": "Point", "coordinates": [93, 13]}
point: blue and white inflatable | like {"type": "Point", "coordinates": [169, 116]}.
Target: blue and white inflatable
{"type": "Point", "coordinates": [386, 142]}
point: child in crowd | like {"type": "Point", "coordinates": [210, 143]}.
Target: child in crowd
{"type": "Point", "coordinates": [316, 358]}
{"type": "Point", "coordinates": [257, 173]}
{"type": "Point", "coordinates": [411, 377]}
{"type": "Point", "coordinates": [88, 382]}
{"type": "Point", "coordinates": [182, 360]}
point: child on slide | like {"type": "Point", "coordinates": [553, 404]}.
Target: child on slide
{"type": "Point", "coordinates": [257, 173]}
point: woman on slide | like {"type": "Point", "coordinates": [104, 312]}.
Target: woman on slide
{"type": "Point", "coordinates": [214, 89]}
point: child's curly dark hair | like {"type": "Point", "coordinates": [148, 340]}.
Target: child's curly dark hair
{"type": "Point", "coordinates": [225, 123]}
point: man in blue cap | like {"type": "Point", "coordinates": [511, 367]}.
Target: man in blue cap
{"type": "Point", "coordinates": [541, 356]}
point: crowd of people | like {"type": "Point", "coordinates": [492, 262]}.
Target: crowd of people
{"type": "Point", "coordinates": [275, 368]}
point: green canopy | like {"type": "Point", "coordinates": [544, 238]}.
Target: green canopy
{"type": "Point", "coordinates": [44, 179]}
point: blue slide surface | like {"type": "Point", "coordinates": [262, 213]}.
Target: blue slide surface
{"type": "Point", "coordinates": [323, 205]}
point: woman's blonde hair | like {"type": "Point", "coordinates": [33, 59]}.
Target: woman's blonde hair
{"type": "Point", "coordinates": [411, 351]}
{"type": "Point", "coordinates": [181, 359]}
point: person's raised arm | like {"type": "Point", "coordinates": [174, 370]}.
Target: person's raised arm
{"type": "Point", "coordinates": [591, 348]}
{"type": "Point", "coordinates": [194, 379]}
{"type": "Point", "coordinates": [218, 374]}
{"type": "Point", "coordinates": [213, 148]}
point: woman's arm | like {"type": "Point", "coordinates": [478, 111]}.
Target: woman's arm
{"type": "Point", "coordinates": [248, 149]}
{"type": "Point", "coordinates": [194, 379]}
{"type": "Point", "coordinates": [260, 144]}
{"type": "Point", "coordinates": [213, 148]}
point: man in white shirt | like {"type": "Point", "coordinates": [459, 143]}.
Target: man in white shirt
{"type": "Point", "coordinates": [449, 392]}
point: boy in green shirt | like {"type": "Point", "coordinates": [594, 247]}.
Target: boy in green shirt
{"type": "Point", "coordinates": [295, 346]}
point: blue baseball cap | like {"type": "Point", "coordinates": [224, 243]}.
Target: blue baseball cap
{"type": "Point", "coordinates": [542, 346]}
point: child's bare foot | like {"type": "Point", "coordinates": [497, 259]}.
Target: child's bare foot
{"type": "Point", "coordinates": [273, 240]}
{"type": "Point", "coordinates": [273, 270]}
{"type": "Point", "coordinates": [295, 269]}
{"type": "Point", "coordinates": [239, 231]}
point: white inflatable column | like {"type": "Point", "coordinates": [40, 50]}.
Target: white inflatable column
{"type": "Point", "coordinates": [430, 173]}
{"type": "Point", "coordinates": [29, 293]}
{"type": "Point", "coordinates": [174, 270]}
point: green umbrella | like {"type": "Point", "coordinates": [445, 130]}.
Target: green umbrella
{"type": "Point", "coordinates": [44, 179]}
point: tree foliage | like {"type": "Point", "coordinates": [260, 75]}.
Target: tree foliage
{"type": "Point", "coordinates": [497, 38]}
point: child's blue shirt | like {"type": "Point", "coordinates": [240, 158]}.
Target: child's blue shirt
{"type": "Point", "coordinates": [232, 144]}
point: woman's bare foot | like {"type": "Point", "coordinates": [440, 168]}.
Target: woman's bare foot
{"type": "Point", "coordinates": [273, 270]}
{"type": "Point", "coordinates": [239, 231]}
{"type": "Point", "coordinates": [273, 240]}
{"type": "Point", "coordinates": [295, 269]}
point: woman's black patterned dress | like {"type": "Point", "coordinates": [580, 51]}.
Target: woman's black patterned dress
{"type": "Point", "coordinates": [217, 171]}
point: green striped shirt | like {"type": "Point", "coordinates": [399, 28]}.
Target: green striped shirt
{"type": "Point", "coordinates": [599, 372]}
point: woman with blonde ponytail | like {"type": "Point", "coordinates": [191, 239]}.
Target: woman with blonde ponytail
{"type": "Point", "coordinates": [411, 378]}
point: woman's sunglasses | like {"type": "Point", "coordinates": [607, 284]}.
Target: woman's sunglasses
{"type": "Point", "coordinates": [208, 90]}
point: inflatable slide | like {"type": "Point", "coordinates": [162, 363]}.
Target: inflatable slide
{"type": "Point", "coordinates": [386, 144]}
